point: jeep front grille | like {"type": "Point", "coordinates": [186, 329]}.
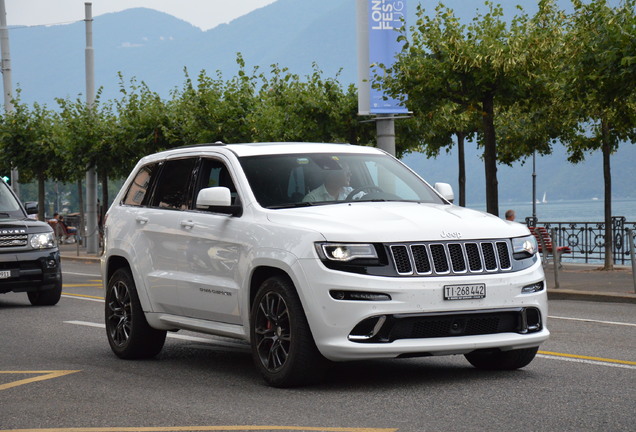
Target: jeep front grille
{"type": "Point", "coordinates": [451, 258]}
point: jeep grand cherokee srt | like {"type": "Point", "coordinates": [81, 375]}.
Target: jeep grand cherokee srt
{"type": "Point", "coordinates": [315, 252]}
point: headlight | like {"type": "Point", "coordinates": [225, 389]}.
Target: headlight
{"type": "Point", "coordinates": [43, 241]}
{"type": "Point", "coordinates": [524, 245]}
{"type": "Point", "coordinates": [345, 252]}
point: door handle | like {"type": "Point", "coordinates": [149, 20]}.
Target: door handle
{"type": "Point", "coordinates": [187, 224]}
{"type": "Point", "coordinates": [141, 220]}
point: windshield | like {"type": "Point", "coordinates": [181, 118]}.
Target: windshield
{"type": "Point", "coordinates": [9, 206]}
{"type": "Point", "coordinates": [280, 181]}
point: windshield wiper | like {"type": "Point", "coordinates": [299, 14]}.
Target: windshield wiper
{"type": "Point", "coordinates": [293, 205]}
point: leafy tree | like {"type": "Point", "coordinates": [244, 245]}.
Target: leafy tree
{"type": "Point", "coordinates": [27, 142]}
{"type": "Point", "coordinates": [485, 66]}
{"type": "Point", "coordinates": [86, 139]}
{"type": "Point", "coordinates": [433, 128]}
{"type": "Point", "coordinates": [601, 86]}
{"type": "Point", "coordinates": [314, 109]}
{"type": "Point", "coordinates": [141, 125]}
{"type": "Point", "coordinates": [214, 110]}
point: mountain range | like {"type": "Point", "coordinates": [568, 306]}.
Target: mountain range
{"type": "Point", "coordinates": [153, 47]}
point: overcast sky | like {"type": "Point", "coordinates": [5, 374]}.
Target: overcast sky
{"type": "Point", "coordinates": [204, 14]}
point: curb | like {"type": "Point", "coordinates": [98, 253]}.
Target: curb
{"type": "Point", "coordinates": [566, 294]}
{"type": "Point", "coordinates": [80, 258]}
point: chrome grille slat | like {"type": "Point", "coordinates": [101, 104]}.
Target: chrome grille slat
{"type": "Point", "coordinates": [401, 259]}
{"type": "Point", "coordinates": [14, 240]}
{"type": "Point", "coordinates": [421, 259]}
{"type": "Point", "coordinates": [451, 258]}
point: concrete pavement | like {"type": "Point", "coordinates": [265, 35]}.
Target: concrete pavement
{"type": "Point", "coordinates": [576, 281]}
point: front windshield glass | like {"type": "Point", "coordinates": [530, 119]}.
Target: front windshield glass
{"type": "Point", "coordinates": [9, 207]}
{"type": "Point", "coordinates": [294, 180]}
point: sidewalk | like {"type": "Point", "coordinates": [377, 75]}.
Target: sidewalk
{"type": "Point", "coordinates": [576, 281]}
{"type": "Point", "coordinates": [588, 282]}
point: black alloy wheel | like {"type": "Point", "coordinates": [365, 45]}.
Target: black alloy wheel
{"type": "Point", "coordinates": [283, 347]}
{"type": "Point", "coordinates": [129, 334]}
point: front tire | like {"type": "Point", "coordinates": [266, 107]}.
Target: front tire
{"type": "Point", "coordinates": [283, 347]}
{"type": "Point", "coordinates": [502, 360]}
{"type": "Point", "coordinates": [49, 297]}
{"type": "Point", "coordinates": [129, 334]}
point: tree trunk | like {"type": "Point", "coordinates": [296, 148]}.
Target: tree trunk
{"type": "Point", "coordinates": [41, 195]}
{"type": "Point", "coordinates": [490, 155]}
{"type": "Point", "coordinates": [103, 205]}
{"type": "Point", "coordinates": [607, 176]}
{"type": "Point", "coordinates": [461, 162]}
{"type": "Point", "coordinates": [80, 201]}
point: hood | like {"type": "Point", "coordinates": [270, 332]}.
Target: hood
{"type": "Point", "coordinates": [32, 226]}
{"type": "Point", "coordinates": [397, 222]}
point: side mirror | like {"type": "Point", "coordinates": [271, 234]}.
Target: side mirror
{"type": "Point", "coordinates": [31, 207]}
{"type": "Point", "coordinates": [217, 199]}
{"type": "Point", "coordinates": [446, 191]}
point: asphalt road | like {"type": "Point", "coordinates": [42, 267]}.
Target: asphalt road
{"type": "Point", "coordinates": [57, 372]}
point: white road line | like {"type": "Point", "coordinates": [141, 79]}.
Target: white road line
{"type": "Point", "coordinates": [81, 274]}
{"type": "Point", "coordinates": [83, 298]}
{"type": "Point", "coordinates": [592, 321]}
{"type": "Point", "coordinates": [592, 362]}
{"type": "Point", "coordinates": [170, 335]}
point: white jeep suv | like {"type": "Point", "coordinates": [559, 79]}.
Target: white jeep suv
{"type": "Point", "coordinates": [315, 252]}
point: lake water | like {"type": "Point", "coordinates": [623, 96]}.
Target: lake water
{"type": "Point", "coordinates": [567, 211]}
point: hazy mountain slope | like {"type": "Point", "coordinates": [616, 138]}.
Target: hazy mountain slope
{"type": "Point", "coordinates": [154, 47]}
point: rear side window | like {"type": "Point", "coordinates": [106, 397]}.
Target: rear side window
{"type": "Point", "coordinates": [173, 186]}
{"type": "Point", "coordinates": [138, 192]}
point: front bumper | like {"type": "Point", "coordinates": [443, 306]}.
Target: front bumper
{"type": "Point", "coordinates": [419, 301]}
{"type": "Point", "coordinates": [34, 270]}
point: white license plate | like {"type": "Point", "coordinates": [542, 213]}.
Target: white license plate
{"type": "Point", "coordinates": [5, 274]}
{"type": "Point", "coordinates": [464, 292]}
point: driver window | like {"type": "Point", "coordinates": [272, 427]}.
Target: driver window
{"type": "Point", "coordinates": [214, 173]}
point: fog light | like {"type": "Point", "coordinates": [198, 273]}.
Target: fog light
{"type": "Point", "coordinates": [532, 288]}
{"type": "Point", "coordinates": [51, 263]}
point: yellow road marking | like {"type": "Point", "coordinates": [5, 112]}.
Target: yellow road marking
{"type": "Point", "coordinates": [206, 428]}
{"type": "Point", "coordinates": [45, 375]}
{"type": "Point", "coordinates": [81, 285]}
{"type": "Point", "coordinates": [600, 359]}
{"type": "Point", "coordinates": [83, 295]}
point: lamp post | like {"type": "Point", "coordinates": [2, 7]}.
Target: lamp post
{"type": "Point", "coordinates": [92, 238]}
{"type": "Point", "coordinates": [534, 188]}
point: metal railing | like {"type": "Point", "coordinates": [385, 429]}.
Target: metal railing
{"type": "Point", "coordinates": [587, 239]}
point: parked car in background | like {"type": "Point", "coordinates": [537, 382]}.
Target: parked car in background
{"type": "Point", "coordinates": [315, 252]}
{"type": "Point", "coordinates": [29, 255]}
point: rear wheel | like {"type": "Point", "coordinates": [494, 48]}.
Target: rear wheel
{"type": "Point", "coordinates": [48, 297]}
{"type": "Point", "coordinates": [283, 347]}
{"type": "Point", "coordinates": [502, 360]}
{"type": "Point", "coordinates": [129, 334]}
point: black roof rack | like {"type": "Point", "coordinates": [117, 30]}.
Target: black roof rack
{"type": "Point", "coordinates": [218, 143]}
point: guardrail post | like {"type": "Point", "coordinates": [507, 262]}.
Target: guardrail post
{"type": "Point", "coordinates": [630, 238]}
{"type": "Point", "coordinates": [556, 256]}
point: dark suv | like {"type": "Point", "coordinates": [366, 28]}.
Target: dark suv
{"type": "Point", "coordinates": [29, 256]}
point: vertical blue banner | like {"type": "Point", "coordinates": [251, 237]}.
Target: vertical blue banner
{"type": "Point", "coordinates": [385, 17]}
